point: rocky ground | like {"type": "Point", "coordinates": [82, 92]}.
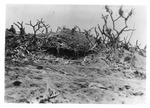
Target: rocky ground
{"type": "Point", "coordinates": [92, 79]}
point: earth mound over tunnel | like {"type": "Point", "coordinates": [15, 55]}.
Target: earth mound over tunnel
{"type": "Point", "coordinates": [67, 44]}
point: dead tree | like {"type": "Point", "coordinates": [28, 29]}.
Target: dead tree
{"type": "Point", "coordinates": [21, 28]}
{"type": "Point", "coordinates": [98, 39]}
{"type": "Point", "coordinates": [145, 47]}
{"type": "Point", "coordinates": [112, 34]}
{"type": "Point", "coordinates": [36, 27]}
{"type": "Point", "coordinates": [103, 37]}
{"type": "Point", "coordinates": [42, 31]}
{"type": "Point", "coordinates": [58, 28]}
{"type": "Point", "coordinates": [88, 34]}
{"type": "Point", "coordinates": [137, 46]}
{"type": "Point", "coordinates": [98, 42]}
{"type": "Point", "coordinates": [126, 45]}
{"type": "Point", "coordinates": [77, 28]}
{"type": "Point", "coordinates": [46, 26]}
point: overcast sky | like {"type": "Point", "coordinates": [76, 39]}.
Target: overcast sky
{"type": "Point", "coordinates": [85, 16]}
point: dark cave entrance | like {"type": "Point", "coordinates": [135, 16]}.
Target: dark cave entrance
{"type": "Point", "coordinates": [67, 53]}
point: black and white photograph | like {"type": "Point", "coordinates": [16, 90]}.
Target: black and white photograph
{"type": "Point", "coordinates": [75, 54]}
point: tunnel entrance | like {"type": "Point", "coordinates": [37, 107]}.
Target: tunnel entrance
{"type": "Point", "coordinates": [67, 53]}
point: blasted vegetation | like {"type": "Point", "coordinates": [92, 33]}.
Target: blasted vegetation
{"type": "Point", "coordinates": [71, 65]}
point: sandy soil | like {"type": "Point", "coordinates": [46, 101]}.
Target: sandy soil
{"type": "Point", "coordinates": [56, 80]}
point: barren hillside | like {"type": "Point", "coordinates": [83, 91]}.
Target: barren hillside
{"type": "Point", "coordinates": [73, 66]}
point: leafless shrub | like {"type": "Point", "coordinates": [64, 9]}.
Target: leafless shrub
{"type": "Point", "coordinates": [21, 28]}
{"type": "Point", "coordinates": [112, 35]}
{"type": "Point", "coordinates": [36, 27]}
{"type": "Point", "coordinates": [46, 26]}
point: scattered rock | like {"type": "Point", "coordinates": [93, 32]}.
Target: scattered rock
{"type": "Point", "coordinates": [97, 85]}
{"type": "Point", "coordinates": [123, 102]}
{"type": "Point", "coordinates": [17, 83]}
{"type": "Point", "coordinates": [113, 98]}
{"type": "Point", "coordinates": [42, 101]}
{"type": "Point", "coordinates": [139, 75]}
{"type": "Point", "coordinates": [121, 88]}
{"type": "Point", "coordinates": [138, 93]}
{"type": "Point", "coordinates": [33, 85]}
{"type": "Point", "coordinates": [127, 59]}
{"type": "Point", "coordinates": [81, 84]}
{"type": "Point", "coordinates": [76, 81]}
{"type": "Point", "coordinates": [24, 101]}
{"type": "Point", "coordinates": [39, 67]}
{"type": "Point", "coordinates": [127, 87]}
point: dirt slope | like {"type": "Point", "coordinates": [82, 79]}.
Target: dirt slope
{"type": "Point", "coordinates": [88, 80]}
